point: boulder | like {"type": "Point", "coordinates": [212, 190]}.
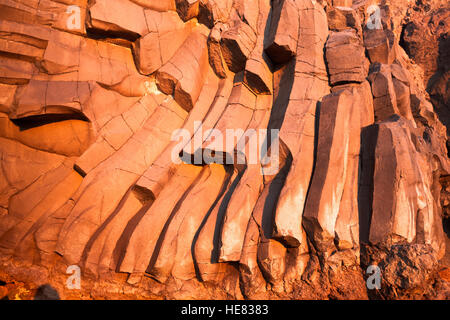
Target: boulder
{"type": "Point", "coordinates": [237, 43]}
{"type": "Point", "coordinates": [184, 80]}
{"type": "Point", "coordinates": [331, 167]}
{"type": "Point", "coordinates": [215, 57]}
{"type": "Point", "coordinates": [112, 17]}
{"type": "Point", "coordinates": [384, 98]}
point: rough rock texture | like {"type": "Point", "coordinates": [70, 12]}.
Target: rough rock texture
{"type": "Point", "coordinates": [91, 93]}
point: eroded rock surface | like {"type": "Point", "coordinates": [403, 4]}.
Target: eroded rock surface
{"type": "Point", "coordinates": [350, 101]}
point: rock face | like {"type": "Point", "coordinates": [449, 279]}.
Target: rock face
{"type": "Point", "coordinates": [347, 105]}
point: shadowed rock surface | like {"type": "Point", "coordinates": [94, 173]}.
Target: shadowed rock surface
{"type": "Point", "coordinates": [91, 93]}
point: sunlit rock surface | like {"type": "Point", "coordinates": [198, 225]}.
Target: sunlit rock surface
{"type": "Point", "coordinates": [91, 93]}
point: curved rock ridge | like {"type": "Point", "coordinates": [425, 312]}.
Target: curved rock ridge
{"type": "Point", "coordinates": [104, 104]}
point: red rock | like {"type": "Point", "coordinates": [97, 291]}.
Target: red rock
{"type": "Point", "coordinates": [237, 116]}
{"type": "Point", "coordinates": [7, 97]}
{"type": "Point", "coordinates": [424, 39]}
{"type": "Point", "coordinates": [342, 3]}
{"type": "Point", "coordinates": [113, 17]}
{"type": "Point", "coordinates": [100, 258]}
{"type": "Point", "coordinates": [157, 175]}
{"type": "Point", "coordinates": [74, 136]}
{"type": "Point", "coordinates": [15, 71]}
{"type": "Point", "coordinates": [378, 46]}
{"type": "Point", "coordinates": [345, 57]}
{"type": "Point", "coordinates": [92, 175]}
{"type": "Point", "coordinates": [281, 45]}
{"type": "Point", "coordinates": [175, 256]}
{"type": "Point", "coordinates": [21, 42]}
{"type": "Point", "coordinates": [144, 147]}
{"type": "Point", "coordinates": [271, 257]}
{"type": "Point", "coordinates": [257, 74]}
{"type": "Point", "coordinates": [445, 274]}
{"type": "Point", "coordinates": [347, 222]}
{"type": "Point", "coordinates": [242, 202]}
{"type": "Point", "coordinates": [185, 80]}
{"type": "Point", "coordinates": [50, 13]}
{"type": "Point", "coordinates": [206, 252]}
{"type": "Point", "coordinates": [212, 12]}
{"type": "Point", "coordinates": [45, 196]}
{"type": "Point", "coordinates": [142, 242]}
{"type": "Point", "coordinates": [253, 281]}
{"type": "Point", "coordinates": [167, 33]}
{"type": "Point", "coordinates": [341, 18]}
{"type": "Point", "coordinates": [20, 173]}
{"type": "Point", "coordinates": [396, 196]}
{"type": "Point", "coordinates": [3, 292]}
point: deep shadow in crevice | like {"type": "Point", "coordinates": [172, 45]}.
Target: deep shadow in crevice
{"type": "Point", "coordinates": [369, 136]}
{"type": "Point", "coordinates": [44, 119]}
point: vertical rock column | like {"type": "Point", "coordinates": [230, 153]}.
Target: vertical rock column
{"type": "Point", "coordinates": [310, 84]}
